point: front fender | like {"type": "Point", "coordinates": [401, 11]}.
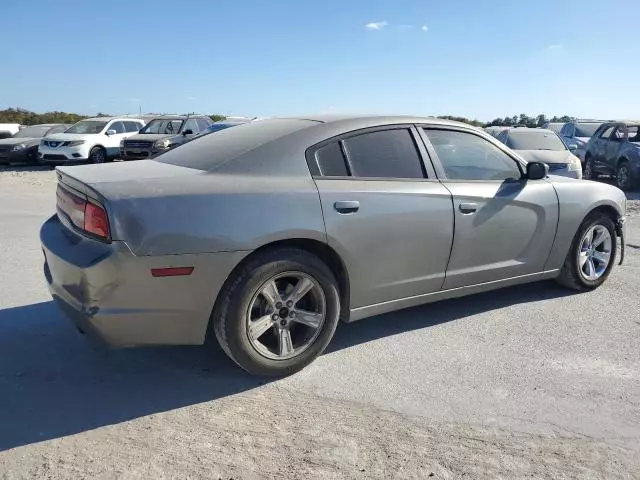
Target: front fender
{"type": "Point", "coordinates": [577, 199]}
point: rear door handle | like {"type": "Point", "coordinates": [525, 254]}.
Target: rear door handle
{"type": "Point", "coordinates": [347, 206]}
{"type": "Point", "coordinates": [468, 208]}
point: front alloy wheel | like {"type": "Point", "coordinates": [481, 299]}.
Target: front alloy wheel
{"type": "Point", "coordinates": [623, 176]}
{"type": "Point", "coordinates": [595, 253]}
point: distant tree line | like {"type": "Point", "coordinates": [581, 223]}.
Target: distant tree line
{"type": "Point", "coordinates": [25, 117]}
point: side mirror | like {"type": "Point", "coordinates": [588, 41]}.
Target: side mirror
{"type": "Point", "coordinates": [537, 170]}
{"type": "Point", "coordinates": [573, 147]}
{"type": "Point", "coordinates": [111, 132]}
{"type": "Point", "coordinates": [188, 132]}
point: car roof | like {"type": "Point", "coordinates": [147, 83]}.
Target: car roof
{"type": "Point", "coordinates": [535, 131]}
{"type": "Point", "coordinates": [364, 119]}
{"type": "Point", "coordinates": [108, 119]}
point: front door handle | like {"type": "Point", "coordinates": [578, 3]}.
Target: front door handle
{"type": "Point", "coordinates": [468, 208]}
{"type": "Point", "coordinates": [347, 206]}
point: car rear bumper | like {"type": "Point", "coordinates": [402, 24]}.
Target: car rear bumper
{"type": "Point", "coordinates": [111, 294]}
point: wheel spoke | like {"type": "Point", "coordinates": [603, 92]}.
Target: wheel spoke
{"type": "Point", "coordinates": [258, 327]}
{"type": "Point", "coordinates": [591, 268]}
{"type": "Point", "coordinates": [271, 294]}
{"type": "Point", "coordinates": [583, 257]}
{"type": "Point", "coordinates": [602, 257]}
{"type": "Point", "coordinates": [284, 342]}
{"type": "Point", "coordinates": [600, 235]}
{"type": "Point", "coordinates": [310, 319]}
{"type": "Point", "coordinates": [303, 287]}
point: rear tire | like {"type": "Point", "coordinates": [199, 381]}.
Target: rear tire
{"type": "Point", "coordinates": [98, 155]}
{"type": "Point", "coordinates": [243, 308]}
{"type": "Point", "coordinates": [584, 257]}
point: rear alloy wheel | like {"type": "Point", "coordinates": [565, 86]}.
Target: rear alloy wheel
{"type": "Point", "coordinates": [624, 177]}
{"type": "Point", "coordinates": [98, 155]}
{"type": "Point", "coordinates": [592, 254]}
{"type": "Point", "coordinates": [588, 173]}
{"type": "Point", "coordinates": [279, 313]}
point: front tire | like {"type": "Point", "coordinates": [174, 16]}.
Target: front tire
{"type": "Point", "coordinates": [592, 254]}
{"type": "Point", "coordinates": [98, 155]}
{"type": "Point", "coordinates": [624, 176]}
{"type": "Point", "coordinates": [278, 313]}
{"type": "Point", "coordinates": [589, 173]}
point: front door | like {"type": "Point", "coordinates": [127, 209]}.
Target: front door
{"type": "Point", "coordinates": [613, 147]}
{"type": "Point", "coordinates": [385, 213]}
{"type": "Point", "coordinates": [504, 224]}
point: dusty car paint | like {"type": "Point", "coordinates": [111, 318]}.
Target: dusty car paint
{"type": "Point", "coordinates": [410, 242]}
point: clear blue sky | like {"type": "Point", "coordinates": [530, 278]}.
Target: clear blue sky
{"type": "Point", "coordinates": [286, 57]}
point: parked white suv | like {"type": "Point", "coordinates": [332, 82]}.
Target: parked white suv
{"type": "Point", "coordinates": [95, 140]}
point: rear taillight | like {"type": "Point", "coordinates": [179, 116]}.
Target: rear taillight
{"type": "Point", "coordinates": [95, 220]}
{"type": "Point", "coordinates": [83, 213]}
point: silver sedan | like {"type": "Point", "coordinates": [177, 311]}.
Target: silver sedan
{"type": "Point", "coordinates": [267, 234]}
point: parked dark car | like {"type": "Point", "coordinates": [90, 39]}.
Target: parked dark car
{"type": "Point", "coordinates": [162, 134]}
{"type": "Point", "coordinates": [615, 150]}
{"type": "Point", "coordinates": [23, 146]}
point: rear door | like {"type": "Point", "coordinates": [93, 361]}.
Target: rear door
{"type": "Point", "coordinates": [385, 212]}
{"type": "Point", "coordinates": [504, 224]}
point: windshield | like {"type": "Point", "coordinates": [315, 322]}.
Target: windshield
{"type": "Point", "coordinates": [535, 141]}
{"type": "Point", "coordinates": [87, 126]}
{"type": "Point", "coordinates": [586, 129]}
{"type": "Point", "coordinates": [555, 127]}
{"type": "Point", "coordinates": [163, 127]}
{"type": "Point", "coordinates": [32, 132]}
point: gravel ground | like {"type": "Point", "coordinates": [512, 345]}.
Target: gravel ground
{"type": "Point", "coordinates": [525, 382]}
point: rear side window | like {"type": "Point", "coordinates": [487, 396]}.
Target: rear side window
{"type": "Point", "coordinates": [331, 161]}
{"type": "Point", "coordinates": [384, 154]}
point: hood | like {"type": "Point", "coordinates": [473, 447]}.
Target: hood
{"type": "Point", "coordinates": [546, 156]}
{"type": "Point", "coordinates": [151, 137]}
{"type": "Point", "coordinates": [68, 137]}
{"type": "Point", "coordinates": [17, 141]}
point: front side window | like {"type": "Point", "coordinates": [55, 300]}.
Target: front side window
{"type": "Point", "coordinates": [131, 127]}
{"type": "Point", "coordinates": [634, 133]}
{"type": "Point", "coordinates": [87, 126]}
{"type": "Point", "coordinates": [202, 124]}
{"type": "Point", "coordinates": [465, 156]}
{"type": "Point", "coordinates": [384, 154]}
{"type": "Point", "coordinates": [192, 125]}
{"type": "Point", "coordinates": [607, 133]}
{"type": "Point", "coordinates": [117, 126]}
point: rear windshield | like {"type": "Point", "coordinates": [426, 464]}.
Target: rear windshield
{"type": "Point", "coordinates": [209, 151]}
{"type": "Point", "coordinates": [522, 140]}
{"type": "Point", "coordinates": [586, 129]}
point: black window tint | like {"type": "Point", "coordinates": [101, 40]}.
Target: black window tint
{"type": "Point", "coordinates": [117, 126]}
{"type": "Point", "coordinates": [465, 156]}
{"type": "Point", "coordinates": [607, 132]}
{"type": "Point", "coordinates": [384, 154]}
{"type": "Point", "coordinates": [331, 162]}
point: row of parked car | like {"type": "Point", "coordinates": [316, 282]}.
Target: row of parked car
{"type": "Point", "coordinates": [581, 148]}
{"type": "Point", "coordinates": [101, 139]}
